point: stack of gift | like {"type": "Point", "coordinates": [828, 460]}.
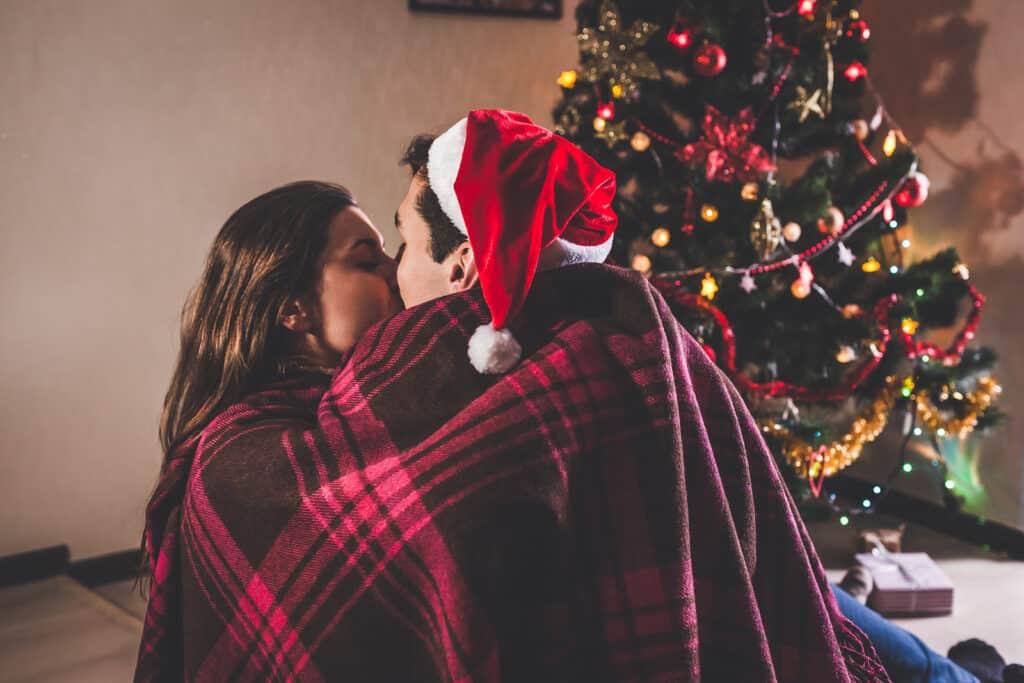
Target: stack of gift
{"type": "Point", "coordinates": [907, 584]}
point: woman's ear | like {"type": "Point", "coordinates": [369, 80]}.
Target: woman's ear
{"type": "Point", "coordinates": [298, 316]}
{"type": "Point", "coordinates": [463, 274]}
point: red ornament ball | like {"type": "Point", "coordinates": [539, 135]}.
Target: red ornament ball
{"type": "Point", "coordinates": [858, 29]}
{"type": "Point", "coordinates": [914, 191]}
{"type": "Point", "coordinates": [709, 60]}
{"type": "Point", "coordinates": [806, 7]}
{"type": "Point", "coordinates": [606, 111]}
{"type": "Point", "coordinates": [711, 353]}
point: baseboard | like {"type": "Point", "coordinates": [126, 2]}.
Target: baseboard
{"type": "Point", "coordinates": [96, 571]}
{"type": "Point", "coordinates": [34, 565]}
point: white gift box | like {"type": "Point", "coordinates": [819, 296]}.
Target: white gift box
{"type": "Point", "coordinates": [907, 584]}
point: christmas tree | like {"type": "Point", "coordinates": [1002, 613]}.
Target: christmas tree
{"type": "Point", "coordinates": [768, 193]}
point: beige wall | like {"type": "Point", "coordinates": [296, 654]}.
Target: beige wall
{"type": "Point", "coordinates": [129, 131]}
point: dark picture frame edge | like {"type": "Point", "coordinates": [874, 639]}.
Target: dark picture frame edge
{"type": "Point", "coordinates": [432, 7]}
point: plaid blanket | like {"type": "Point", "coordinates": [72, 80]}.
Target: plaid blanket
{"type": "Point", "coordinates": [607, 511]}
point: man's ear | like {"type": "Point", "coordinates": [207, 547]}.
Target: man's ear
{"type": "Point", "coordinates": [463, 274]}
{"type": "Point", "coordinates": [299, 316]}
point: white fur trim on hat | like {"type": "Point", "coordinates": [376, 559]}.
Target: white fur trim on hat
{"type": "Point", "coordinates": [562, 252]}
{"type": "Point", "coordinates": [443, 161]}
{"type": "Point", "coordinates": [493, 352]}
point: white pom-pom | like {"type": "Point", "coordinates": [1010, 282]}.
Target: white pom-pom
{"type": "Point", "coordinates": [493, 352]}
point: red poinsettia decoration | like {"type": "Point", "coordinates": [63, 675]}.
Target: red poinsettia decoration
{"type": "Point", "coordinates": [726, 150]}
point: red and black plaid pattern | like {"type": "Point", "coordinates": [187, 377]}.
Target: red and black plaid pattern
{"type": "Point", "coordinates": [607, 511]}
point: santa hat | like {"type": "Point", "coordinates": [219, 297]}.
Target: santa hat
{"type": "Point", "coordinates": [516, 190]}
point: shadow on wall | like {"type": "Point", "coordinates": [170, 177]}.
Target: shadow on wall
{"type": "Point", "coordinates": [934, 88]}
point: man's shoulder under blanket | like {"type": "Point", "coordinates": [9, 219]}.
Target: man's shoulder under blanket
{"type": "Point", "coordinates": [585, 329]}
{"type": "Point", "coordinates": [598, 347]}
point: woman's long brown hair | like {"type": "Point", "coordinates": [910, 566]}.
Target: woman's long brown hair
{"type": "Point", "coordinates": [232, 341]}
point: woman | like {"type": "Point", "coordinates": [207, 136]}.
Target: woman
{"type": "Point", "coordinates": [293, 279]}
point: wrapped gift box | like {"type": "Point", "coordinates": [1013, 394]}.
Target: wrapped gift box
{"type": "Point", "coordinates": [907, 584]}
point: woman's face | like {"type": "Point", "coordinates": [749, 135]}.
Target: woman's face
{"type": "Point", "coordinates": [357, 284]}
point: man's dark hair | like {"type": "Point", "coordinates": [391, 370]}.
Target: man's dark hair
{"type": "Point", "coordinates": [445, 238]}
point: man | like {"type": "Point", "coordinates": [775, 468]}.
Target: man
{"type": "Point", "coordinates": [613, 513]}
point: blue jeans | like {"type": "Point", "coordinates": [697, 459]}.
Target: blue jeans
{"type": "Point", "coordinates": [905, 657]}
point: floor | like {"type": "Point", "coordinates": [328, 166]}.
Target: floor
{"type": "Point", "coordinates": [56, 630]}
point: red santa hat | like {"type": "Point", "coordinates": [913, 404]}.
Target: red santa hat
{"type": "Point", "coordinates": [523, 196]}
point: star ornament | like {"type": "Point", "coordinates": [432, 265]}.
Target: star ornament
{"type": "Point", "coordinates": [846, 255]}
{"type": "Point", "coordinates": [613, 134]}
{"type": "Point", "coordinates": [613, 51]}
{"type": "Point", "coordinates": [747, 283]}
{"type": "Point", "coordinates": [807, 105]}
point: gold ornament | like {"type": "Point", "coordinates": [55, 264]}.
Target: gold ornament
{"type": "Point", "coordinates": [640, 141]}
{"type": "Point", "coordinates": [709, 213]}
{"type": "Point", "coordinates": [846, 354]}
{"type": "Point", "coordinates": [861, 130]}
{"type": "Point", "coordinates": [611, 133]}
{"type": "Point", "coordinates": [567, 80]}
{"type": "Point", "coordinates": [893, 137]}
{"type": "Point", "coordinates": [871, 265]}
{"type": "Point", "coordinates": [642, 263]}
{"type": "Point", "coordinates": [832, 222]}
{"type": "Point", "coordinates": [750, 191]}
{"type": "Point", "coordinates": [977, 402]}
{"type": "Point", "coordinates": [661, 237]}
{"type": "Point", "coordinates": [801, 289]}
{"type": "Point", "coordinates": [889, 146]}
{"type": "Point", "coordinates": [568, 121]}
{"type": "Point", "coordinates": [792, 232]}
{"type": "Point", "coordinates": [909, 325]}
{"type": "Point", "coordinates": [708, 287]}
{"type": "Point", "coordinates": [617, 91]}
{"type": "Point", "coordinates": [765, 230]}
{"type": "Point", "coordinates": [807, 105]}
{"type": "Point", "coordinates": [845, 451]}
{"type": "Point", "coordinates": [614, 52]}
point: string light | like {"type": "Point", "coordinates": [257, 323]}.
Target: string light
{"type": "Point", "coordinates": [894, 269]}
{"type": "Point", "coordinates": [640, 141]}
{"type": "Point", "coordinates": [855, 72]}
{"type": "Point", "coordinates": [567, 80]}
{"type": "Point", "coordinates": [708, 287]}
{"type": "Point", "coordinates": [908, 468]}
{"type": "Point", "coordinates": [642, 263]}
{"type": "Point", "coordinates": [709, 213]}
{"type": "Point", "coordinates": [661, 237]}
